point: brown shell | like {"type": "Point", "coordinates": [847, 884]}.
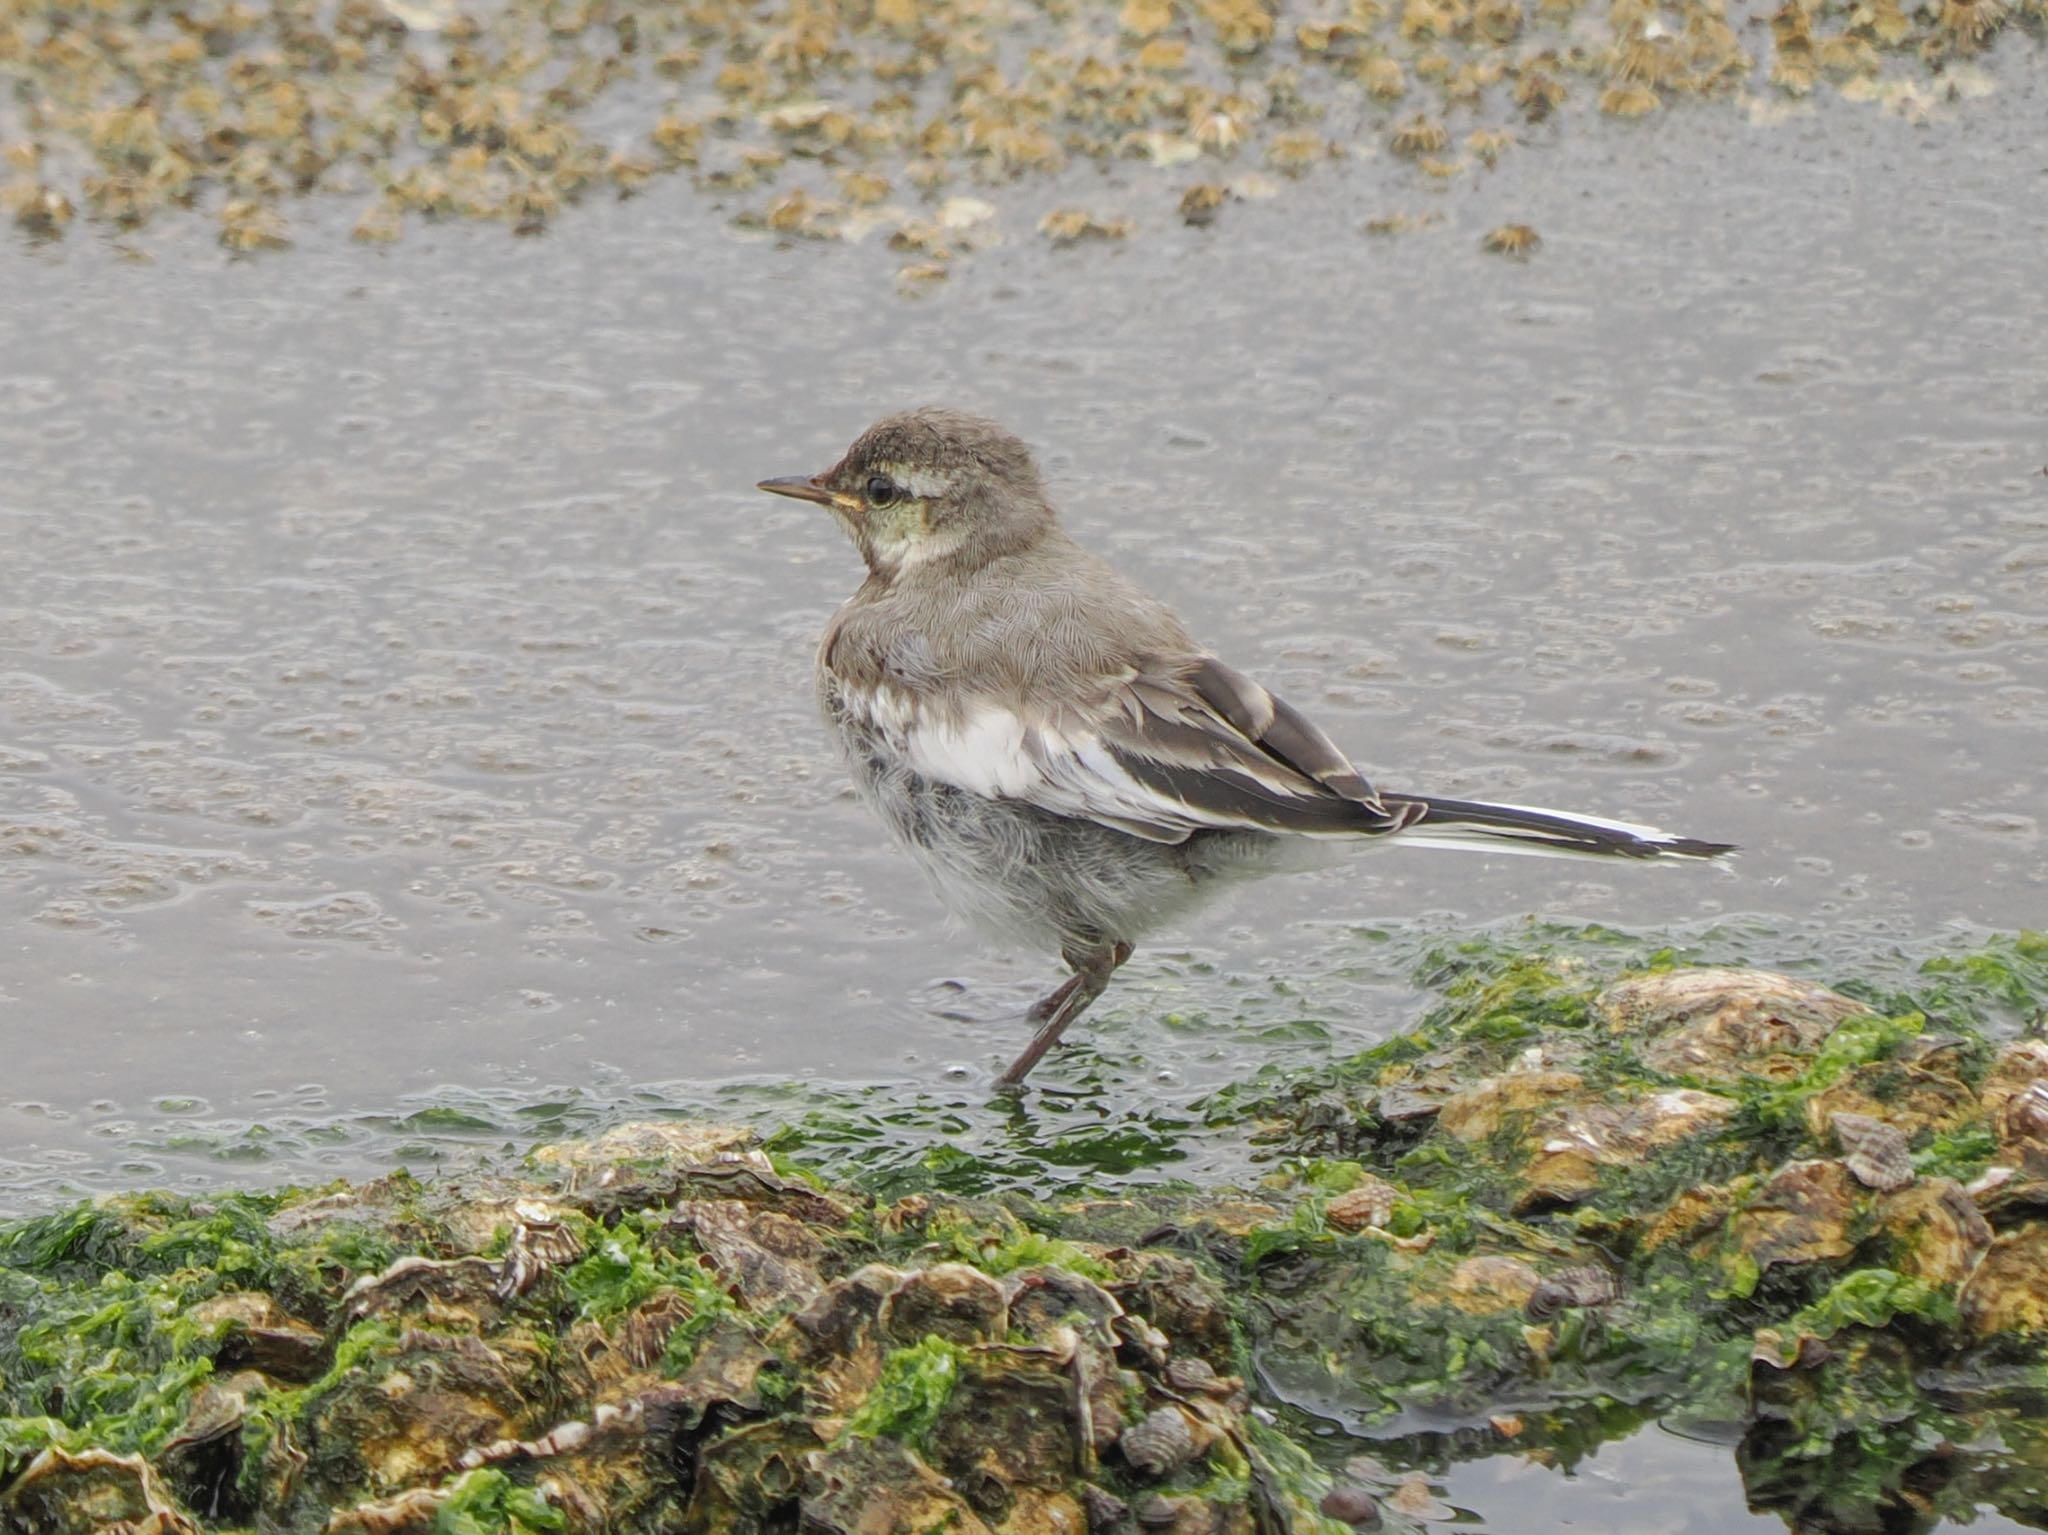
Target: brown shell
{"type": "Point", "coordinates": [1912, 1097]}
{"type": "Point", "coordinates": [1042, 1298]}
{"type": "Point", "coordinates": [1478, 1111]}
{"type": "Point", "coordinates": [680, 1143]}
{"type": "Point", "coordinates": [86, 1492]}
{"type": "Point", "coordinates": [1163, 1441]}
{"type": "Point", "coordinates": [1192, 1376]}
{"type": "Point", "coordinates": [1873, 1150]}
{"type": "Point", "coordinates": [762, 1255]}
{"type": "Point", "coordinates": [1368, 1205]}
{"type": "Point", "coordinates": [2019, 1065]}
{"type": "Point", "coordinates": [2008, 1292]}
{"type": "Point", "coordinates": [1938, 1234]}
{"type": "Point", "coordinates": [832, 1323]}
{"type": "Point", "coordinates": [2023, 1125]}
{"type": "Point", "coordinates": [1351, 1505]}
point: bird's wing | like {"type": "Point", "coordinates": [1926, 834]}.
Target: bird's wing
{"type": "Point", "coordinates": [1165, 750]}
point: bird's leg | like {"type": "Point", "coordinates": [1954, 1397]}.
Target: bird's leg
{"type": "Point", "coordinates": [1064, 1003]}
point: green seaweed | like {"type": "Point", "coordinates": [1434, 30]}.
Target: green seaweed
{"type": "Point", "coordinates": [1026, 1249]}
{"type": "Point", "coordinates": [915, 1385]}
{"type": "Point", "coordinates": [488, 1502]}
{"type": "Point", "coordinates": [632, 1261]}
{"type": "Point", "coordinates": [1961, 1153]}
{"type": "Point", "coordinates": [2005, 979]}
{"type": "Point", "coordinates": [1872, 1297]}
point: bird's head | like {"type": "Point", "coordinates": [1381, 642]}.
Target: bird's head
{"type": "Point", "coordinates": [928, 487]}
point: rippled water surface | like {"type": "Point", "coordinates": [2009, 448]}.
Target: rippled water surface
{"type": "Point", "coordinates": [405, 691]}
{"type": "Point", "coordinates": [406, 746]}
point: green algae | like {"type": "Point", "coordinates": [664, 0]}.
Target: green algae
{"type": "Point", "coordinates": [2004, 980]}
{"type": "Point", "coordinates": [1872, 1298]}
{"type": "Point", "coordinates": [623, 1269]}
{"type": "Point", "coordinates": [915, 1385]}
{"type": "Point", "coordinates": [491, 1503]}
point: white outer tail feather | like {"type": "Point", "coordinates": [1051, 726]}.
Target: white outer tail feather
{"type": "Point", "coordinates": [1532, 831]}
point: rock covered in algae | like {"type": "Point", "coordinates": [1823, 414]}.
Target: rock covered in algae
{"type": "Point", "coordinates": [638, 1340]}
{"type": "Point", "coordinates": [1615, 1195]}
{"type": "Point", "coordinates": [666, 1329]}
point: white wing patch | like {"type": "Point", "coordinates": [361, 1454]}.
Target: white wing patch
{"type": "Point", "coordinates": [983, 753]}
{"type": "Point", "coordinates": [993, 751]}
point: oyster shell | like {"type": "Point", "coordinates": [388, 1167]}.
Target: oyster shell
{"type": "Point", "coordinates": [1483, 1285]}
{"type": "Point", "coordinates": [866, 1486]}
{"type": "Point", "coordinates": [1182, 1514]}
{"type": "Point", "coordinates": [417, 1508]}
{"type": "Point", "coordinates": [1351, 1505]}
{"type": "Point", "coordinates": [1015, 1420]}
{"type": "Point", "coordinates": [1696, 1212]}
{"type": "Point", "coordinates": [2019, 1066]}
{"type": "Point", "coordinates": [660, 1142]}
{"type": "Point", "coordinates": [2007, 1293]}
{"type": "Point", "coordinates": [1480, 1110]}
{"type": "Point", "coordinates": [947, 1300]}
{"type": "Point", "coordinates": [1179, 1300]}
{"type": "Point", "coordinates": [1800, 1215]}
{"type": "Point", "coordinates": [90, 1492]}
{"type": "Point", "coordinates": [1938, 1234]}
{"type": "Point", "coordinates": [1042, 1298]}
{"type": "Point", "coordinates": [844, 1310]}
{"type": "Point", "coordinates": [1910, 1097]}
{"type": "Point", "coordinates": [1570, 1146]}
{"type": "Point", "coordinates": [1105, 1511]}
{"type": "Point", "coordinates": [540, 1242]}
{"type": "Point", "coordinates": [460, 1292]}
{"type": "Point", "coordinates": [748, 1477]}
{"type": "Point", "coordinates": [255, 1333]}
{"type": "Point", "coordinates": [408, 1412]}
{"type": "Point", "coordinates": [1199, 1378]}
{"type": "Point", "coordinates": [2023, 1127]}
{"type": "Point", "coordinates": [1724, 1025]}
{"type": "Point", "coordinates": [765, 1257]}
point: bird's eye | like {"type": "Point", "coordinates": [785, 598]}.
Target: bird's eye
{"type": "Point", "coordinates": [882, 491]}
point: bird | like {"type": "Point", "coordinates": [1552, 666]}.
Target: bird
{"type": "Point", "coordinates": [1070, 767]}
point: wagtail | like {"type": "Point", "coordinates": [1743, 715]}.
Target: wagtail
{"type": "Point", "coordinates": [1069, 765]}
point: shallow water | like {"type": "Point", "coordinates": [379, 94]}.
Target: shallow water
{"type": "Point", "coordinates": [406, 747]}
{"type": "Point", "coordinates": [405, 687]}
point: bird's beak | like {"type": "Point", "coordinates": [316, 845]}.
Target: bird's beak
{"type": "Point", "coordinates": [803, 487]}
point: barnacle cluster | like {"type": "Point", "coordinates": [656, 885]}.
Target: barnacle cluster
{"type": "Point", "coordinates": [821, 119]}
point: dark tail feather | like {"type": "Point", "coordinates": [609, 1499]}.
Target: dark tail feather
{"type": "Point", "coordinates": [1480, 827]}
